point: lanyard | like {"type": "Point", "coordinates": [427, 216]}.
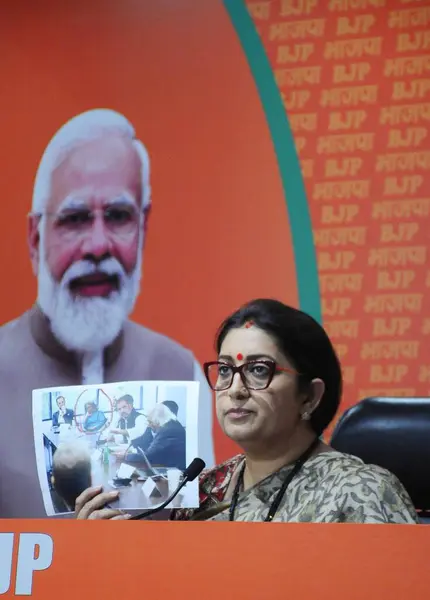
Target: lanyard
{"type": "Point", "coordinates": [277, 501]}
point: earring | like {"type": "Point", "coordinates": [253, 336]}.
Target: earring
{"type": "Point", "coordinates": [306, 416]}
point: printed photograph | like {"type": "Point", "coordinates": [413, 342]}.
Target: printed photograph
{"type": "Point", "coordinates": [134, 437]}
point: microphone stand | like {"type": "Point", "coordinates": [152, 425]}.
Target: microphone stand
{"type": "Point", "coordinates": [191, 472]}
{"type": "Point", "coordinates": [151, 511]}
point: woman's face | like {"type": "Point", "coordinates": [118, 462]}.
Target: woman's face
{"type": "Point", "coordinates": [266, 416]}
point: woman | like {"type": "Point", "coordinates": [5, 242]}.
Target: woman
{"type": "Point", "coordinates": [95, 419]}
{"type": "Point", "coordinates": [278, 385]}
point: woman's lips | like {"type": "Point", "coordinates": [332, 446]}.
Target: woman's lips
{"type": "Point", "coordinates": [239, 413]}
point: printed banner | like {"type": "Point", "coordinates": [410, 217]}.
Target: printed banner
{"type": "Point", "coordinates": [181, 558]}
{"type": "Point", "coordinates": [354, 77]}
{"type": "Point", "coordinates": [165, 162]}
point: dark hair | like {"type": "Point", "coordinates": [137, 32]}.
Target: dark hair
{"type": "Point", "coordinates": [303, 341]}
{"type": "Point", "coordinates": [172, 406]}
{"type": "Point", "coordinates": [126, 398]}
{"type": "Point", "coordinates": [68, 482]}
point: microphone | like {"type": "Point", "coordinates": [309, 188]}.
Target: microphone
{"type": "Point", "coordinates": [191, 472]}
{"type": "Point", "coordinates": [148, 467]}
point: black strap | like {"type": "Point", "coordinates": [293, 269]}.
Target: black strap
{"type": "Point", "coordinates": [281, 493]}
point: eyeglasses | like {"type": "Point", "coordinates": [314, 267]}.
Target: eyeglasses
{"type": "Point", "coordinates": [255, 374]}
{"type": "Point", "coordinates": [120, 220]}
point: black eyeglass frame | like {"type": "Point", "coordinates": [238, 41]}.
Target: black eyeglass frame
{"type": "Point", "coordinates": [272, 365]}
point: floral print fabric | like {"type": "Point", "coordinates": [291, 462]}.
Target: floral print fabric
{"type": "Point", "coordinates": [331, 488]}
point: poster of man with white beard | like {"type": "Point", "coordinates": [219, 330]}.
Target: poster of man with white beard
{"type": "Point", "coordinates": [86, 237]}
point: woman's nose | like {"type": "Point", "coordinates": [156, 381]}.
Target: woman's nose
{"type": "Point", "coordinates": [238, 388]}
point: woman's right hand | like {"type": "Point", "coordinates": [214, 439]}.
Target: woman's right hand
{"type": "Point", "coordinates": [91, 504]}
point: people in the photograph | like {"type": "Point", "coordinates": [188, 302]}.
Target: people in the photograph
{"type": "Point", "coordinates": [86, 234]}
{"type": "Point", "coordinates": [278, 385]}
{"type": "Point", "coordinates": [71, 471]}
{"type": "Point", "coordinates": [130, 424]}
{"type": "Point", "coordinates": [64, 415]}
{"type": "Point", "coordinates": [94, 419]}
{"type": "Point", "coordinates": [168, 445]}
{"type": "Point", "coordinates": [172, 406]}
{"type": "Point", "coordinates": [146, 439]}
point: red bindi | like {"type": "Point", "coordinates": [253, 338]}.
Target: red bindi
{"type": "Point", "coordinates": [239, 356]}
{"type": "Point", "coordinates": [249, 324]}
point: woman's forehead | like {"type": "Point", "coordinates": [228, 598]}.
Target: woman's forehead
{"type": "Point", "coordinates": [248, 341]}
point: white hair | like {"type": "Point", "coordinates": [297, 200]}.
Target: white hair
{"type": "Point", "coordinates": [86, 324]}
{"type": "Point", "coordinates": [87, 126]}
{"type": "Point", "coordinates": [70, 454]}
{"type": "Point", "coordinates": [160, 415]}
{"type": "Point", "coordinates": [71, 470]}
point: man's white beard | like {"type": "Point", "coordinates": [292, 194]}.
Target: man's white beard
{"type": "Point", "coordinates": [84, 324]}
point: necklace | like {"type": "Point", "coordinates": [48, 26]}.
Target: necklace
{"type": "Point", "coordinates": [281, 493]}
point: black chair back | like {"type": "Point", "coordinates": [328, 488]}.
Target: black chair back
{"type": "Point", "coordinates": [393, 433]}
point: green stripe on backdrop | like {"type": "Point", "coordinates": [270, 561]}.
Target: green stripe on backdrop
{"type": "Point", "coordinates": [289, 167]}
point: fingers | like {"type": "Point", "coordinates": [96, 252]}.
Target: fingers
{"type": "Point", "coordinates": [92, 500]}
{"type": "Point", "coordinates": [106, 513]}
{"type": "Point", "coordinates": [86, 496]}
{"type": "Point", "coordinates": [122, 517]}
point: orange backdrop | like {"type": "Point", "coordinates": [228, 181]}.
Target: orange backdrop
{"type": "Point", "coordinates": [219, 231]}
{"type": "Point", "coordinates": [354, 79]}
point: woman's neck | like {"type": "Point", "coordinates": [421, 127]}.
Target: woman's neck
{"type": "Point", "coordinates": [260, 465]}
